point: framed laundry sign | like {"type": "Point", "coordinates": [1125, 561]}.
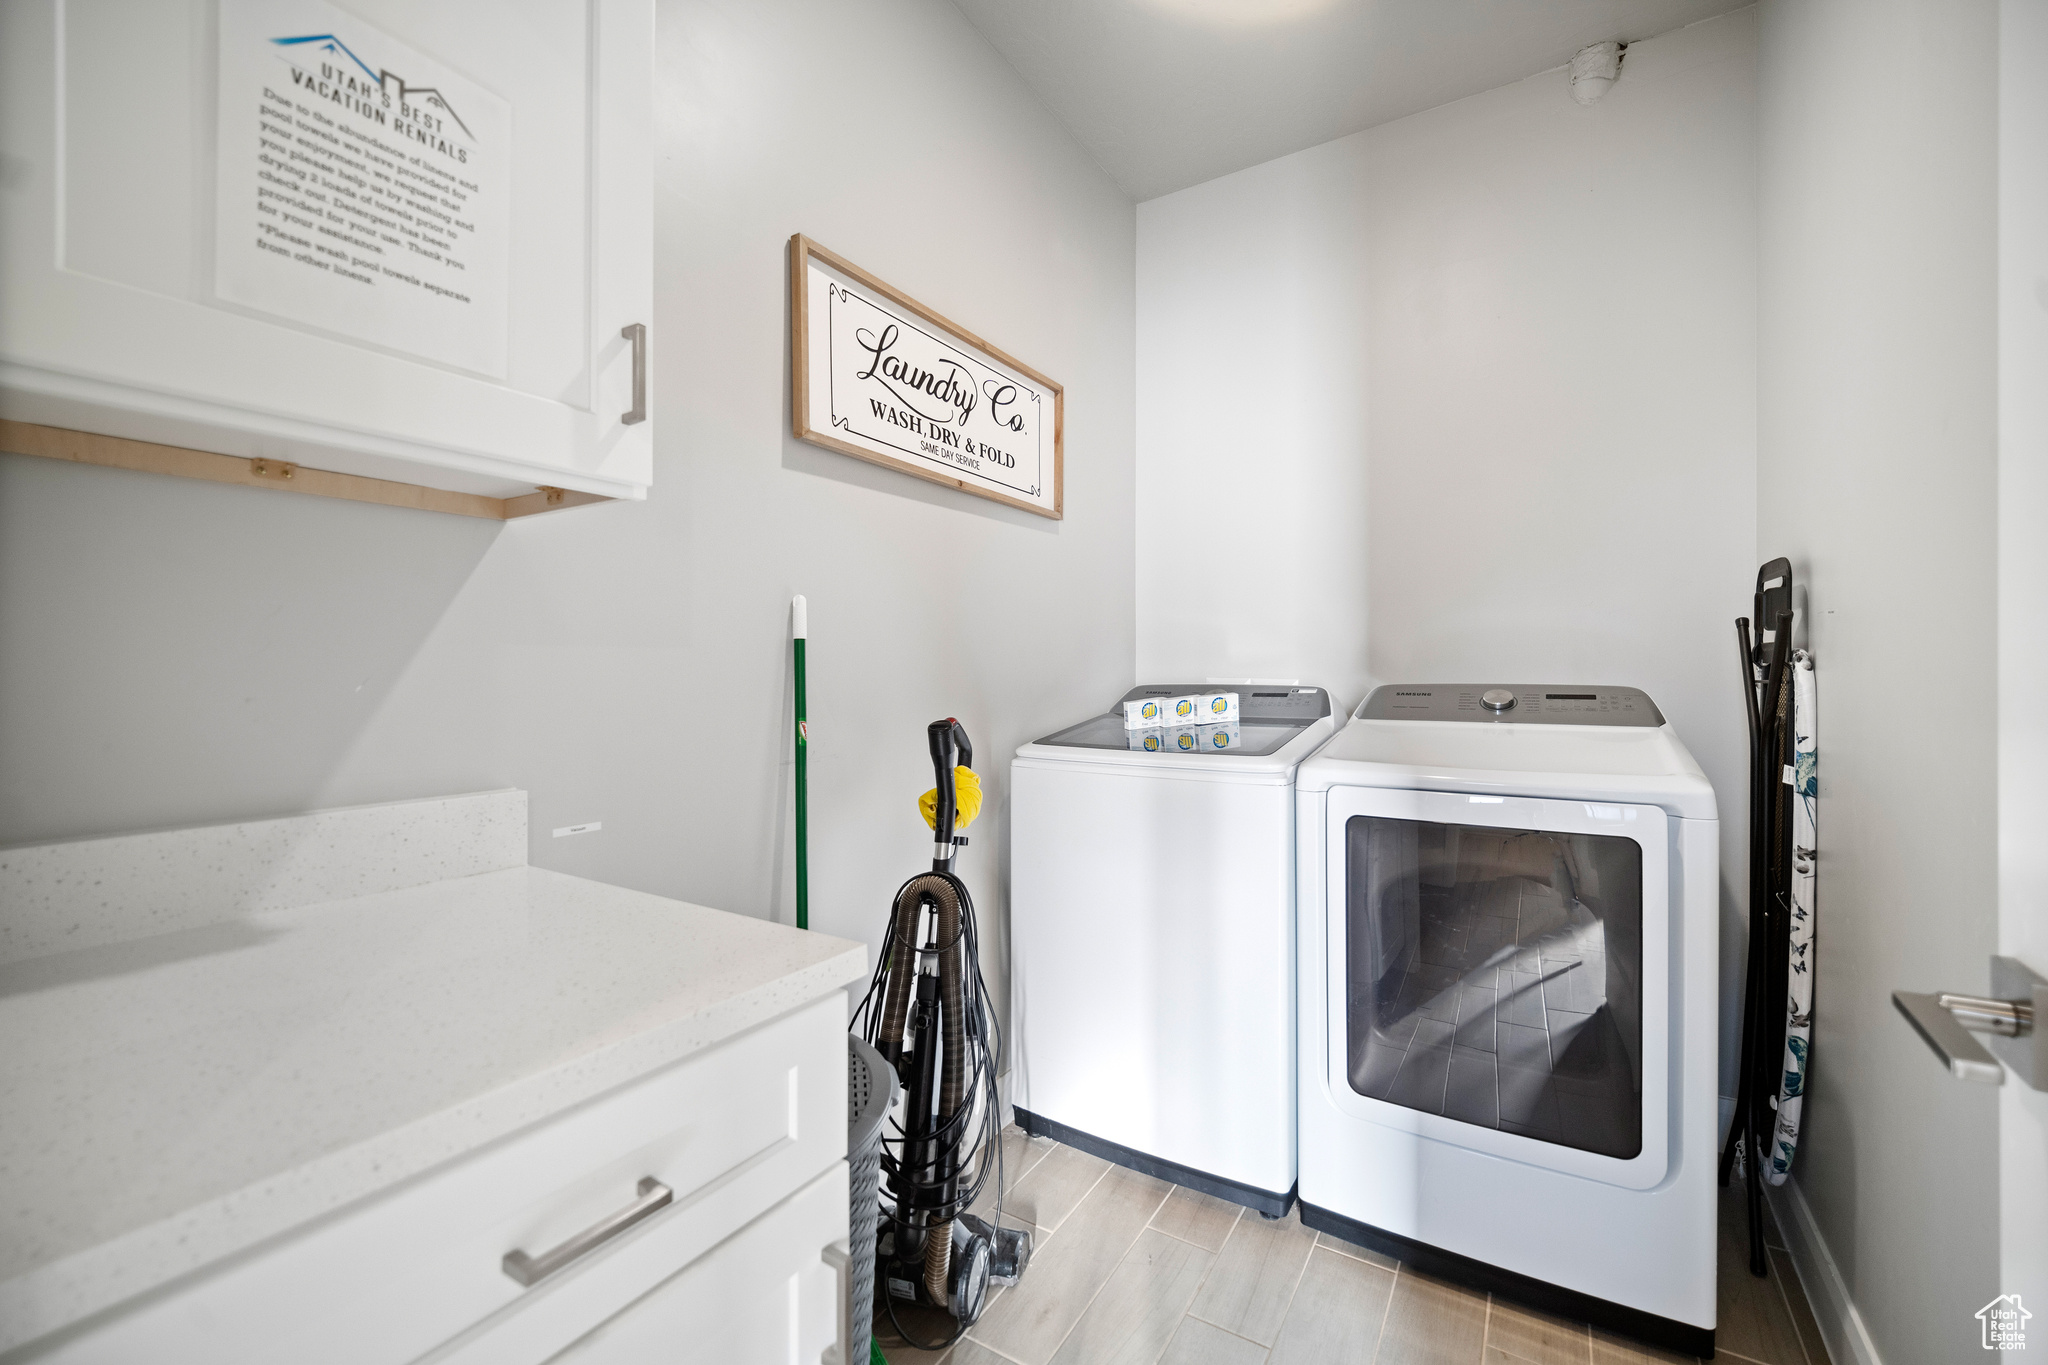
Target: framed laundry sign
{"type": "Point", "coordinates": [877, 375]}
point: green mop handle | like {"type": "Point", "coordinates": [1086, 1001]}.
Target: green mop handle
{"type": "Point", "coordinates": [799, 628]}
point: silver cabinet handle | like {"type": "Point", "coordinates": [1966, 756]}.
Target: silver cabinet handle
{"type": "Point", "coordinates": [840, 1258]}
{"type": "Point", "coordinates": [533, 1269]}
{"type": "Point", "coordinates": [637, 334]}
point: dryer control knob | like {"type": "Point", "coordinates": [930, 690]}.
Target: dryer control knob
{"type": "Point", "coordinates": [1497, 699]}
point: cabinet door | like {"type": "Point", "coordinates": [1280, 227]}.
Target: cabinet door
{"type": "Point", "coordinates": [764, 1296]}
{"type": "Point", "coordinates": [396, 240]}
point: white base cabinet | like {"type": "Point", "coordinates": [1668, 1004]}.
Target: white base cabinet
{"type": "Point", "coordinates": [749, 1136]}
{"type": "Point", "coordinates": [390, 240]}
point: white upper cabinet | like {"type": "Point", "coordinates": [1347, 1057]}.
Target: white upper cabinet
{"type": "Point", "coordinates": [389, 239]}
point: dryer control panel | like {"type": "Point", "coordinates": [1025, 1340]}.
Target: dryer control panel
{"type": "Point", "coordinates": [1512, 703]}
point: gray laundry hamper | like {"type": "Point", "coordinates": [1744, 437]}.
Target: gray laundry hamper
{"type": "Point", "coordinates": [870, 1089]}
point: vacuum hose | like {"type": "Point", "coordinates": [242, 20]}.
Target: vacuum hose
{"type": "Point", "coordinates": [926, 1011]}
{"type": "Point", "coordinates": [938, 890]}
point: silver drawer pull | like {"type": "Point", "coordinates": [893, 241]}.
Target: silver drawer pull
{"type": "Point", "coordinates": [526, 1269]}
{"type": "Point", "coordinates": [637, 334]}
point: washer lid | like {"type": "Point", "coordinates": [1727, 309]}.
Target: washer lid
{"type": "Point", "coordinates": [1268, 717]}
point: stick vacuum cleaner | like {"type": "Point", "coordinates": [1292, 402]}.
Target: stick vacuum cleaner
{"type": "Point", "coordinates": [927, 1012]}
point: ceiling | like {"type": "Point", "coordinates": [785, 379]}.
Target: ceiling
{"type": "Point", "coordinates": [1169, 93]}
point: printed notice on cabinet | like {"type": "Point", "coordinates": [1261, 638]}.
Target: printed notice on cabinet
{"type": "Point", "coordinates": [362, 185]}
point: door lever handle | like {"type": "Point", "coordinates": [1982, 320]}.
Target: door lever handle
{"type": "Point", "coordinates": [1941, 1030]}
{"type": "Point", "coordinates": [637, 334]}
{"type": "Point", "coordinates": [1947, 1022]}
{"type": "Point", "coordinates": [1979, 1014]}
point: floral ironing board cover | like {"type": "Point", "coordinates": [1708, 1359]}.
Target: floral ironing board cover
{"type": "Point", "coordinates": [1803, 777]}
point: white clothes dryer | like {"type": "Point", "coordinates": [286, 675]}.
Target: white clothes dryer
{"type": "Point", "coordinates": [1152, 941]}
{"type": "Point", "coordinates": [1508, 901]}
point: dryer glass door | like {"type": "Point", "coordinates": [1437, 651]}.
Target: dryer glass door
{"type": "Point", "coordinates": [1495, 977]}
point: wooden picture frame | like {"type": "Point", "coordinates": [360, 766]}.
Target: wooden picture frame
{"type": "Point", "coordinates": [934, 400]}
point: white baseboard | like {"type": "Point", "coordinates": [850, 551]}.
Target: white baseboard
{"type": "Point", "coordinates": [1848, 1340]}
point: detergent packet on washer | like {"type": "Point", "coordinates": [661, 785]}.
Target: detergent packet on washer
{"type": "Point", "coordinates": [1203, 708]}
{"type": "Point", "coordinates": [1146, 711]}
{"type": "Point", "coordinates": [1211, 738]}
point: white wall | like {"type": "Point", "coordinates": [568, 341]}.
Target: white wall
{"type": "Point", "coordinates": [175, 652]}
{"type": "Point", "coordinates": [1878, 463]}
{"type": "Point", "coordinates": [1470, 395]}
{"type": "Point", "coordinates": [2023, 605]}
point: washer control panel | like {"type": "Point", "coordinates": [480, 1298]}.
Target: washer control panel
{"type": "Point", "coordinates": [1512, 703]}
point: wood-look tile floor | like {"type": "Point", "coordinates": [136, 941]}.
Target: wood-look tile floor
{"type": "Point", "coordinates": [1128, 1270]}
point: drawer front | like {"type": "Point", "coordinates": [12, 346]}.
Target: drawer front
{"type": "Point", "coordinates": [764, 1296]}
{"type": "Point", "coordinates": [731, 1131]}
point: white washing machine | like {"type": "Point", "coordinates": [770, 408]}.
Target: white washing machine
{"type": "Point", "coordinates": [1152, 941]}
{"type": "Point", "coordinates": [1508, 903]}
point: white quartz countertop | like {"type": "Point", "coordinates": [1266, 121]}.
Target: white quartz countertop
{"type": "Point", "coordinates": [176, 1098]}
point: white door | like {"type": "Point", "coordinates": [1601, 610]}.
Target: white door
{"type": "Point", "coordinates": [2023, 625]}
{"type": "Point", "coordinates": [383, 238]}
{"type": "Point", "coordinates": [1499, 976]}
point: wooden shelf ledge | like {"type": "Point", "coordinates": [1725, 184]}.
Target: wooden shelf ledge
{"type": "Point", "coordinates": [84, 447]}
